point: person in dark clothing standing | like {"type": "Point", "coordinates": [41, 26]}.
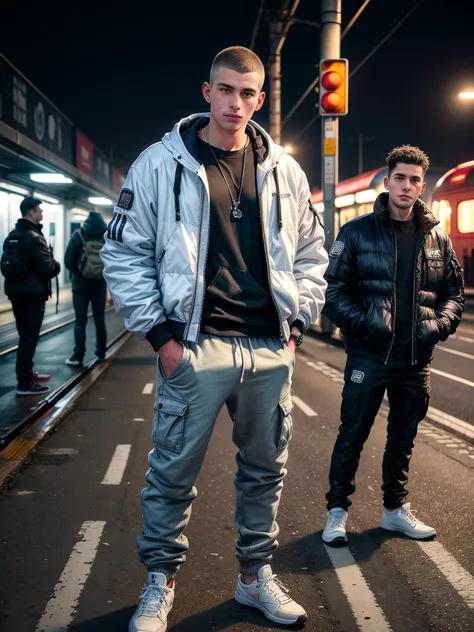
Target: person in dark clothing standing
{"type": "Point", "coordinates": [395, 289]}
{"type": "Point", "coordinates": [83, 260]}
{"type": "Point", "coordinates": [28, 266]}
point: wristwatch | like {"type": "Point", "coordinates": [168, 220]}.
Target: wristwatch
{"type": "Point", "coordinates": [297, 335]}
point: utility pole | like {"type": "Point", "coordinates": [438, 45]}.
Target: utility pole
{"type": "Point", "coordinates": [360, 140]}
{"type": "Point", "coordinates": [330, 48]}
{"type": "Point", "coordinates": [279, 27]}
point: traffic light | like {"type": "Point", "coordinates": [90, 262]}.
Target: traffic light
{"type": "Point", "coordinates": [334, 87]}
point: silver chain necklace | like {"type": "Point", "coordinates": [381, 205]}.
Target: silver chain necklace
{"type": "Point", "coordinates": [235, 211]}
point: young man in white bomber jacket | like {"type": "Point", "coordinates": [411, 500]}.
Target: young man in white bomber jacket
{"type": "Point", "coordinates": [215, 256]}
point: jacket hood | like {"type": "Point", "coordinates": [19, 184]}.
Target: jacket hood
{"type": "Point", "coordinates": [182, 141]}
{"type": "Point", "coordinates": [425, 220]}
{"type": "Point", "coordinates": [94, 226]}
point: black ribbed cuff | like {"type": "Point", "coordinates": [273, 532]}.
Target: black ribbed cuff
{"type": "Point", "coordinates": [158, 335]}
{"type": "Point", "coordinates": [299, 325]}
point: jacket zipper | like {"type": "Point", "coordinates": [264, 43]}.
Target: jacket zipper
{"type": "Point", "coordinates": [415, 303]}
{"type": "Point", "coordinates": [394, 317]}
{"type": "Point", "coordinates": [259, 195]}
{"type": "Point", "coordinates": [186, 331]}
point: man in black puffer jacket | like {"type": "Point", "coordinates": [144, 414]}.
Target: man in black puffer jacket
{"type": "Point", "coordinates": [395, 289]}
{"type": "Point", "coordinates": [88, 285]}
{"type": "Point", "coordinates": [28, 266]}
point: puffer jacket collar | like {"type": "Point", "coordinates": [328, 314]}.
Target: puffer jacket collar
{"type": "Point", "coordinates": [425, 220]}
{"type": "Point", "coordinates": [182, 142]}
{"type": "Point", "coordinates": [25, 224]}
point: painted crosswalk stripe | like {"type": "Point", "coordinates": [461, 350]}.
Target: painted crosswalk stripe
{"type": "Point", "coordinates": [461, 380]}
{"type": "Point", "coordinates": [368, 614]}
{"type": "Point", "coordinates": [60, 609]}
{"type": "Point", "coordinates": [465, 339]}
{"type": "Point", "coordinates": [117, 465]}
{"type": "Point", "coordinates": [457, 576]}
{"type": "Point", "coordinates": [304, 407]}
{"type": "Point", "coordinates": [148, 388]}
{"type": "Point", "coordinates": [456, 352]}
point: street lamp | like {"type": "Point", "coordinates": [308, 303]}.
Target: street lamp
{"type": "Point", "coordinates": [289, 149]}
{"type": "Point", "coordinates": [468, 94]}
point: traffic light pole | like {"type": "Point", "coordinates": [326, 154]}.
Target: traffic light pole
{"type": "Point", "coordinates": [274, 72]}
{"type": "Point", "coordinates": [330, 47]}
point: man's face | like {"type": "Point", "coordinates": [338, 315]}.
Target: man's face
{"type": "Point", "coordinates": [233, 97]}
{"type": "Point", "coordinates": [405, 184]}
{"type": "Point", "coordinates": [35, 214]}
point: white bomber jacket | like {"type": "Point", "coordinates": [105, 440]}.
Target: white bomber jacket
{"type": "Point", "coordinates": [157, 241]}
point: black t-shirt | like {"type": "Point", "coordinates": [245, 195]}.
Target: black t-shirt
{"type": "Point", "coordinates": [237, 300]}
{"type": "Point", "coordinates": [406, 236]}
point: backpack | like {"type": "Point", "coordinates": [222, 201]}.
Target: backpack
{"type": "Point", "coordinates": [13, 265]}
{"type": "Point", "coordinates": [91, 265]}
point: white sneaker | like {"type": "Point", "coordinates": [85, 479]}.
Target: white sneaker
{"type": "Point", "coordinates": [156, 600]}
{"type": "Point", "coordinates": [269, 595]}
{"type": "Point", "coordinates": [403, 520]}
{"type": "Point", "coordinates": [335, 530]}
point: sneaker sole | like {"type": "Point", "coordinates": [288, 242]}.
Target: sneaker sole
{"type": "Point", "coordinates": [74, 364]}
{"type": "Point", "coordinates": [340, 540]}
{"type": "Point", "coordinates": [413, 536]}
{"type": "Point", "coordinates": [23, 394]}
{"type": "Point", "coordinates": [246, 601]}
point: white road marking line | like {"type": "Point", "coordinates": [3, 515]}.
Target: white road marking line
{"type": "Point", "coordinates": [148, 388]}
{"type": "Point", "coordinates": [444, 419]}
{"type": "Point", "coordinates": [138, 419]}
{"type": "Point", "coordinates": [117, 465]}
{"type": "Point", "coordinates": [455, 352]}
{"type": "Point", "coordinates": [304, 407]}
{"type": "Point", "coordinates": [461, 380]}
{"type": "Point", "coordinates": [60, 609]}
{"type": "Point", "coordinates": [466, 339]}
{"type": "Point", "coordinates": [368, 614]}
{"type": "Point", "coordinates": [457, 576]}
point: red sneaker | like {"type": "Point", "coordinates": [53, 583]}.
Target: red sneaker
{"type": "Point", "coordinates": [40, 377]}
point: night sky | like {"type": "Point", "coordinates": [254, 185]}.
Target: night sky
{"type": "Point", "coordinates": [124, 76]}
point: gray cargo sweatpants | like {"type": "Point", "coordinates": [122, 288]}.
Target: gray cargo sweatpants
{"type": "Point", "coordinates": [252, 376]}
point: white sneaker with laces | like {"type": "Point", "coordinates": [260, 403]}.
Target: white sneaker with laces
{"type": "Point", "coordinates": [156, 600]}
{"type": "Point", "coordinates": [269, 595]}
{"type": "Point", "coordinates": [403, 520]}
{"type": "Point", "coordinates": [335, 530]}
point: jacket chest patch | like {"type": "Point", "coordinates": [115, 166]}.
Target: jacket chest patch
{"type": "Point", "coordinates": [433, 254]}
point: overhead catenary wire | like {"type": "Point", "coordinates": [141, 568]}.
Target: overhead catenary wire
{"type": "Point", "coordinates": [362, 63]}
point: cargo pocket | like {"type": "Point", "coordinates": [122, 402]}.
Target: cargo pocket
{"type": "Point", "coordinates": [424, 404]}
{"type": "Point", "coordinates": [168, 425]}
{"type": "Point", "coordinates": [285, 430]}
{"type": "Point", "coordinates": [349, 407]}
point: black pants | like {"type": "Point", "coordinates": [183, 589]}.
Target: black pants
{"type": "Point", "coordinates": [28, 316]}
{"type": "Point", "coordinates": [80, 300]}
{"type": "Point", "coordinates": [365, 382]}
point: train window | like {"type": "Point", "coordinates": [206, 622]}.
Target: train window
{"type": "Point", "coordinates": [346, 214]}
{"type": "Point", "coordinates": [466, 216]}
{"type": "Point", "coordinates": [442, 210]}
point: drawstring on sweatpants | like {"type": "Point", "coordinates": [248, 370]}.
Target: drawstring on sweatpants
{"type": "Point", "coordinates": [252, 356]}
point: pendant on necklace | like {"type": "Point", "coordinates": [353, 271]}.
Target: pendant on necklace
{"type": "Point", "coordinates": [235, 210]}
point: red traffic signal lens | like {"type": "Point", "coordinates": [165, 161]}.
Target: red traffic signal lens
{"type": "Point", "coordinates": [331, 101]}
{"type": "Point", "coordinates": [331, 80]}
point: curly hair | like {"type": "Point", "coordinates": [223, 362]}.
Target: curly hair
{"type": "Point", "coordinates": [237, 58]}
{"type": "Point", "coordinates": [409, 155]}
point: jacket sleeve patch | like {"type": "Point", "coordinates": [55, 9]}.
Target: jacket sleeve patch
{"type": "Point", "coordinates": [116, 226]}
{"type": "Point", "coordinates": [125, 200]}
{"type": "Point", "coordinates": [336, 249]}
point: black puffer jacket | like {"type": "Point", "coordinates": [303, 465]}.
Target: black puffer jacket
{"type": "Point", "coordinates": [41, 265]}
{"type": "Point", "coordinates": [361, 276]}
{"type": "Point", "coordinates": [93, 229]}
